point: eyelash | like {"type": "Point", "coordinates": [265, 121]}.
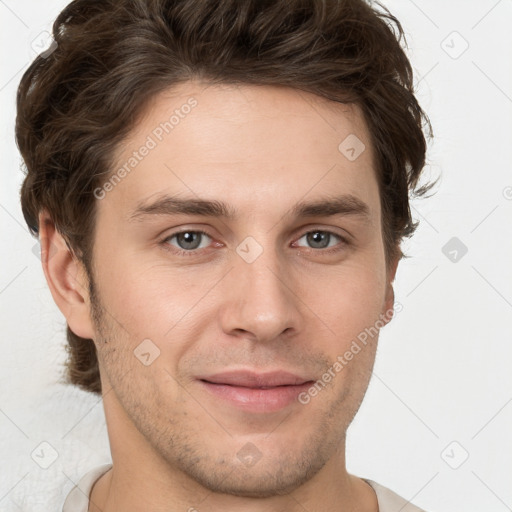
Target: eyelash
{"type": "Point", "coordinates": [194, 252]}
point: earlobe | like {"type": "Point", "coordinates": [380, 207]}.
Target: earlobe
{"type": "Point", "coordinates": [388, 309]}
{"type": "Point", "coordinates": [66, 278]}
{"type": "Point", "coordinates": [390, 300]}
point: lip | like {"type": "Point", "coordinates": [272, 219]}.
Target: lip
{"type": "Point", "coordinates": [256, 392]}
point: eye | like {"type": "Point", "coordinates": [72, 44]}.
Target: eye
{"type": "Point", "coordinates": [188, 241]}
{"type": "Point", "coordinates": [319, 239]}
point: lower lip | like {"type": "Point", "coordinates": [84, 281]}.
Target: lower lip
{"type": "Point", "coordinates": [256, 399]}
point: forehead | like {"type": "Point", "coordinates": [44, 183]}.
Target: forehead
{"type": "Point", "coordinates": [244, 143]}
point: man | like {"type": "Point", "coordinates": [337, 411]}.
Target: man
{"type": "Point", "coordinates": [220, 189]}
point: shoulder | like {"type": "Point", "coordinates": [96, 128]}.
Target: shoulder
{"type": "Point", "coordinates": [78, 498]}
{"type": "Point", "coordinates": [389, 501]}
{"type": "Point", "coordinates": [65, 436]}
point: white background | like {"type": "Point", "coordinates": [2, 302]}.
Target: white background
{"type": "Point", "coordinates": [442, 373]}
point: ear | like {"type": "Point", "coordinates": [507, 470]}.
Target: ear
{"type": "Point", "coordinates": [389, 301]}
{"type": "Point", "coordinates": [66, 278]}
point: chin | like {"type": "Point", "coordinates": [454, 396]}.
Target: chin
{"type": "Point", "coordinates": [265, 475]}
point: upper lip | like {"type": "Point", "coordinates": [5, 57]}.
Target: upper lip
{"type": "Point", "coordinates": [251, 379]}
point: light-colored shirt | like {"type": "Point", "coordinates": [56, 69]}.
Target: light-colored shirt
{"type": "Point", "coordinates": [78, 499]}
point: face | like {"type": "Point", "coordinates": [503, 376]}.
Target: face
{"type": "Point", "coordinates": [224, 341]}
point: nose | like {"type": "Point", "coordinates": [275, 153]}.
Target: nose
{"type": "Point", "coordinates": [261, 302]}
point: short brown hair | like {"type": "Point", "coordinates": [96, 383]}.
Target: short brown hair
{"type": "Point", "coordinates": [77, 103]}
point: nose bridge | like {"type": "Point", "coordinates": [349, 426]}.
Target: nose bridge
{"type": "Point", "coordinates": [261, 302]}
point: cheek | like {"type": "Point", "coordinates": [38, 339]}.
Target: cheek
{"type": "Point", "coordinates": [351, 299]}
{"type": "Point", "coordinates": [149, 301]}
{"type": "Point", "coordinates": [350, 306]}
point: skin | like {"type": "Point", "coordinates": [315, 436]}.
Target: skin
{"type": "Point", "coordinates": [297, 307]}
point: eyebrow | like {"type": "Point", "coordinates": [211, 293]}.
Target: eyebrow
{"type": "Point", "coordinates": [344, 205]}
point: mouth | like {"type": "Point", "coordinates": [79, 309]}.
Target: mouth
{"type": "Point", "coordinates": [256, 392]}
